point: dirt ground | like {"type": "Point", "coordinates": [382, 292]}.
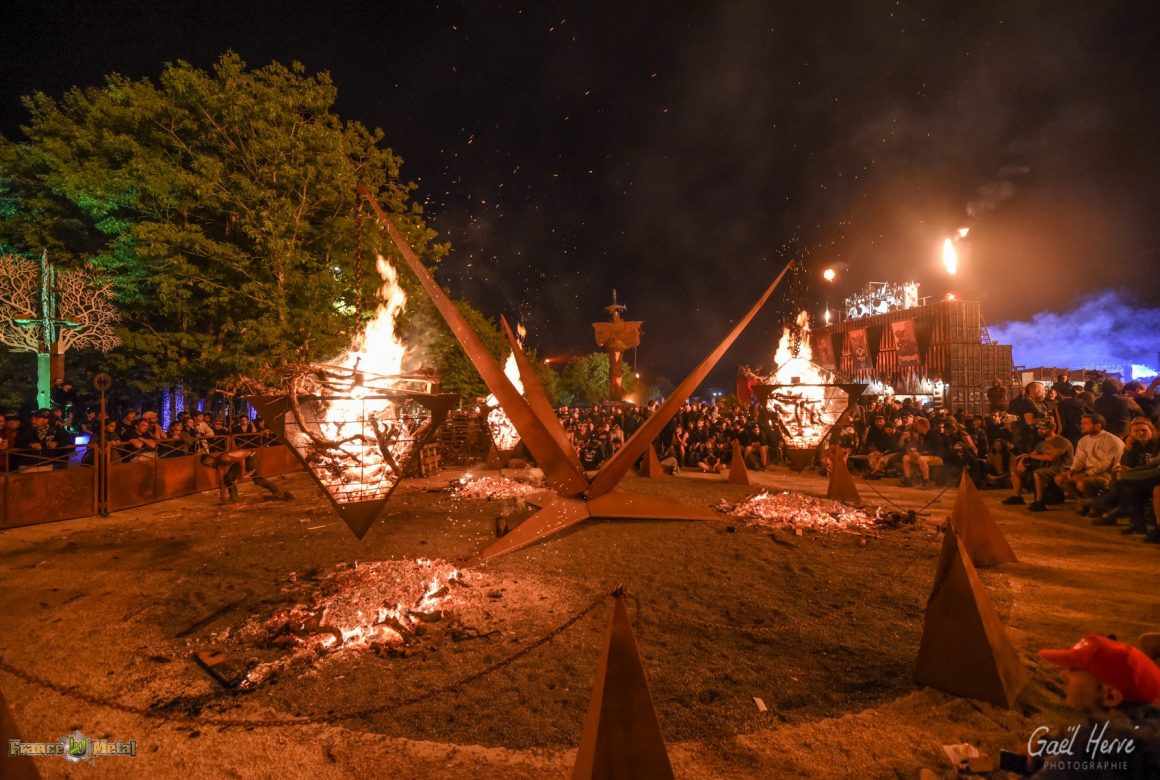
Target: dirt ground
{"type": "Point", "coordinates": [102, 617]}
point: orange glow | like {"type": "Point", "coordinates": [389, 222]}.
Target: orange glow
{"type": "Point", "coordinates": [829, 274]}
{"type": "Point", "coordinates": [950, 257]}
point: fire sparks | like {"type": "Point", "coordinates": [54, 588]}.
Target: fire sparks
{"type": "Point", "coordinates": [796, 510]}
{"type": "Point", "coordinates": [950, 257]}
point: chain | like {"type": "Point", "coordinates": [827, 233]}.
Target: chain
{"type": "Point", "coordinates": [74, 692]}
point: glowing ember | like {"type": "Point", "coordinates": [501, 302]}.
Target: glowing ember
{"type": "Point", "coordinates": [798, 511]}
{"type": "Point", "coordinates": [382, 602]}
{"type": "Point", "coordinates": [491, 487]}
{"type": "Point", "coordinates": [950, 257]}
{"type": "Point", "coordinates": [804, 398]}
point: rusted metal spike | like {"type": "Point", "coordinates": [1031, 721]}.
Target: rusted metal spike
{"type": "Point", "coordinates": [841, 486]}
{"type": "Point", "coordinates": [622, 736]}
{"type": "Point", "coordinates": [650, 467]}
{"type": "Point", "coordinates": [557, 516]}
{"type": "Point", "coordinates": [738, 474]}
{"type": "Point", "coordinates": [359, 516]}
{"type": "Point", "coordinates": [556, 464]}
{"type": "Point", "coordinates": [619, 464]}
{"type": "Point", "coordinates": [537, 399]}
{"type": "Point", "coordinates": [273, 409]}
{"type": "Point", "coordinates": [982, 537]}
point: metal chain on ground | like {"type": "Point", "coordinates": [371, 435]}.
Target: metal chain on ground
{"type": "Point", "coordinates": [74, 692]}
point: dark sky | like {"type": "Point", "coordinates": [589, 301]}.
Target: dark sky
{"type": "Point", "coordinates": [679, 151]}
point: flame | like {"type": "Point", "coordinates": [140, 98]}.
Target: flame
{"type": "Point", "coordinates": [503, 433]}
{"type": "Point", "coordinates": [950, 257]}
{"type": "Point", "coordinates": [807, 404]}
{"type": "Point", "coordinates": [377, 348]}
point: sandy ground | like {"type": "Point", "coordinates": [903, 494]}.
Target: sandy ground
{"type": "Point", "coordinates": [824, 628]}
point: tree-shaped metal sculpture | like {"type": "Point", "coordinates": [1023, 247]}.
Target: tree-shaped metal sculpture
{"type": "Point", "coordinates": [48, 313]}
{"type": "Point", "coordinates": [577, 497]}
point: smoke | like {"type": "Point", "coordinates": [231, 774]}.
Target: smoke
{"type": "Point", "coordinates": [1105, 330]}
{"type": "Point", "coordinates": [1001, 188]}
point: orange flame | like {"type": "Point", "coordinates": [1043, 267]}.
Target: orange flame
{"type": "Point", "coordinates": [950, 257]}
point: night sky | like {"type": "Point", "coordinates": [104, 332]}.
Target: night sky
{"type": "Point", "coordinates": [681, 152]}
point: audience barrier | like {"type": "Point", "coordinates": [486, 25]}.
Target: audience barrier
{"type": "Point", "coordinates": [74, 482]}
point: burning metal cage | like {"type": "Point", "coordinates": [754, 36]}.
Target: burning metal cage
{"type": "Point", "coordinates": [805, 405]}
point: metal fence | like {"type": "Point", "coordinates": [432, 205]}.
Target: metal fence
{"type": "Point", "coordinates": [84, 480]}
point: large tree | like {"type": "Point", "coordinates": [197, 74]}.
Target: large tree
{"type": "Point", "coordinates": [223, 205]}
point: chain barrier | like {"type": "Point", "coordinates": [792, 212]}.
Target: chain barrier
{"type": "Point", "coordinates": [153, 713]}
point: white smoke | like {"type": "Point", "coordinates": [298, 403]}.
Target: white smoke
{"type": "Point", "coordinates": [1103, 330]}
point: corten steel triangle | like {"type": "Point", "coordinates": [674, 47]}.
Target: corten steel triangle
{"type": "Point", "coordinates": [622, 737]}
{"type": "Point", "coordinates": [538, 399]}
{"type": "Point", "coordinates": [976, 527]}
{"type": "Point", "coordinates": [965, 649]}
{"type": "Point", "coordinates": [738, 474]}
{"type": "Point", "coordinates": [841, 486]}
{"type": "Point", "coordinates": [650, 464]}
{"type": "Point", "coordinates": [618, 465]}
{"type": "Point", "coordinates": [359, 515]}
{"type": "Point", "coordinates": [494, 460]}
{"type": "Point", "coordinates": [800, 458]}
{"type": "Point", "coordinates": [555, 462]}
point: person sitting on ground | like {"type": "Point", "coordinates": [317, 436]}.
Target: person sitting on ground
{"type": "Point", "coordinates": [1138, 481]}
{"type": "Point", "coordinates": [710, 459]}
{"type": "Point", "coordinates": [1096, 459]}
{"type": "Point", "coordinates": [1114, 688]}
{"type": "Point", "coordinates": [997, 467]}
{"type": "Point", "coordinates": [233, 465]}
{"type": "Point", "coordinates": [961, 453]}
{"type": "Point", "coordinates": [1051, 456]}
{"type": "Point", "coordinates": [924, 449]}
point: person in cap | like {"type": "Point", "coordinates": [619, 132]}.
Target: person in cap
{"type": "Point", "coordinates": [1113, 687]}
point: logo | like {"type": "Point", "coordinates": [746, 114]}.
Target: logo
{"type": "Point", "coordinates": [74, 748]}
{"type": "Point", "coordinates": [1084, 747]}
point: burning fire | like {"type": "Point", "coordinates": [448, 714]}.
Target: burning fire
{"type": "Point", "coordinates": [805, 401]}
{"type": "Point", "coordinates": [503, 433]}
{"type": "Point", "coordinates": [798, 511]}
{"type": "Point", "coordinates": [950, 257]}
{"type": "Point", "coordinates": [358, 425]}
{"type": "Point", "coordinates": [381, 602]}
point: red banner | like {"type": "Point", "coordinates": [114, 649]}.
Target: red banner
{"type": "Point", "coordinates": [823, 351]}
{"type": "Point", "coordinates": [905, 343]}
{"type": "Point", "coordinates": [859, 349]}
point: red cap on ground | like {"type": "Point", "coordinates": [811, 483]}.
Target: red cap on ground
{"type": "Point", "coordinates": [1113, 663]}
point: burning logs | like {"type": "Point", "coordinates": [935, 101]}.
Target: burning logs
{"type": "Point", "coordinates": [490, 488]}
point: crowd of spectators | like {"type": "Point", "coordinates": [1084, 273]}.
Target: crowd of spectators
{"type": "Point", "coordinates": [57, 438]}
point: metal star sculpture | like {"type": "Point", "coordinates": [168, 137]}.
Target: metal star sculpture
{"type": "Point", "coordinates": [577, 497]}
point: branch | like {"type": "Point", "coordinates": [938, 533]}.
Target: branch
{"type": "Point", "coordinates": [19, 299]}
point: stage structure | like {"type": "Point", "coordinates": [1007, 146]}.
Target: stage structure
{"type": "Point", "coordinates": [616, 337]}
{"type": "Point", "coordinates": [903, 345]}
{"type": "Point", "coordinates": [577, 497]}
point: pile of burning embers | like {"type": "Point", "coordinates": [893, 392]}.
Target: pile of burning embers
{"type": "Point", "coordinates": [379, 606]}
{"type": "Point", "coordinates": [801, 512]}
{"type": "Point", "coordinates": [490, 487]}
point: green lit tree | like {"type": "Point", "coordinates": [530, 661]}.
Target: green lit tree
{"type": "Point", "coordinates": [223, 205]}
{"type": "Point", "coordinates": [585, 380]}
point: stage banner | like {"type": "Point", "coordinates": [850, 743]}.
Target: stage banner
{"type": "Point", "coordinates": [823, 351]}
{"type": "Point", "coordinates": [906, 343]}
{"type": "Point", "coordinates": [859, 349]}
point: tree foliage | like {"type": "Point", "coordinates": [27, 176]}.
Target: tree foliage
{"type": "Point", "coordinates": [223, 206]}
{"type": "Point", "coordinates": [585, 380]}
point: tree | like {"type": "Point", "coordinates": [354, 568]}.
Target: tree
{"type": "Point", "coordinates": [223, 204]}
{"type": "Point", "coordinates": [49, 313]}
{"type": "Point", "coordinates": [585, 380]}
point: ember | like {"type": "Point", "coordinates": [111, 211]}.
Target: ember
{"type": "Point", "coordinates": [382, 602]}
{"type": "Point", "coordinates": [491, 488]}
{"type": "Point", "coordinates": [796, 510]}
